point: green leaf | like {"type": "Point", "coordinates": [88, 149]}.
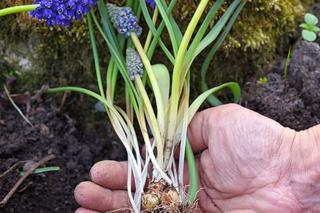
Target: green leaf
{"type": "Point", "coordinates": [314, 29]}
{"type": "Point", "coordinates": [204, 26]}
{"type": "Point", "coordinates": [234, 8]}
{"type": "Point", "coordinates": [304, 26]}
{"type": "Point", "coordinates": [234, 87]}
{"type": "Point", "coordinates": [311, 19]}
{"type": "Point", "coordinates": [308, 35]}
{"type": "Point", "coordinates": [156, 32]}
{"type": "Point", "coordinates": [213, 100]}
{"type": "Point", "coordinates": [95, 56]}
{"type": "Point", "coordinates": [169, 25]}
{"type": "Point", "coordinates": [310, 27]}
{"type": "Point", "coordinates": [162, 75]}
{"type": "Point", "coordinates": [44, 170]}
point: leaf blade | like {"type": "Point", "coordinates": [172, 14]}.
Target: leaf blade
{"type": "Point", "coordinates": [311, 19]}
{"type": "Point", "coordinates": [308, 35]}
{"type": "Point", "coordinates": [233, 86]}
{"type": "Point", "coordinates": [162, 75]}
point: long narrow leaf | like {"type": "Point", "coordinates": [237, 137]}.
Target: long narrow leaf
{"type": "Point", "coordinates": [156, 33]}
{"type": "Point", "coordinates": [215, 31]}
{"type": "Point", "coordinates": [203, 28]}
{"type": "Point", "coordinates": [107, 26]}
{"type": "Point", "coordinates": [173, 37]}
{"type": "Point", "coordinates": [121, 65]}
{"type": "Point", "coordinates": [234, 87]}
{"type": "Point", "coordinates": [95, 56]}
{"type": "Point", "coordinates": [213, 100]}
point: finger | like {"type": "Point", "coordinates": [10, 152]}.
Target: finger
{"type": "Point", "coordinates": [83, 210]}
{"type": "Point", "coordinates": [110, 174]}
{"type": "Point", "coordinates": [202, 124]}
{"type": "Point", "coordinates": [94, 197]}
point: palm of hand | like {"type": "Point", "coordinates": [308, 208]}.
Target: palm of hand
{"type": "Point", "coordinates": [248, 165]}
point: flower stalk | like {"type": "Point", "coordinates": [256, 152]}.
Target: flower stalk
{"type": "Point", "coordinates": [18, 9]}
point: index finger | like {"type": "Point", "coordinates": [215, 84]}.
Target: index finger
{"type": "Point", "coordinates": [110, 174]}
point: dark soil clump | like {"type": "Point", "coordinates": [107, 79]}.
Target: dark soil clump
{"type": "Point", "coordinates": [53, 133]}
{"type": "Point", "coordinates": [294, 102]}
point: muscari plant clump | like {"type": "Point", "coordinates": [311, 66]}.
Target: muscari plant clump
{"type": "Point", "coordinates": [158, 178]}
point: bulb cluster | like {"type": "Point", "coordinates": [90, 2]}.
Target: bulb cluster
{"type": "Point", "coordinates": [61, 12]}
{"type": "Point", "coordinates": [123, 20]}
{"type": "Point", "coordinates": [133, 63]}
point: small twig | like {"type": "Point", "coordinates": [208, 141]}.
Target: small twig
{"type": "Point", "coordinates": [20, 181]}
{"type": "Point", "coordinates": [15, 106]}
{"type": "Point", "coordinates": [11, 168]}
{"type": "Point", "coordinates": [64, 98]}
{"type": "Point", "coordinates": [39, 93]}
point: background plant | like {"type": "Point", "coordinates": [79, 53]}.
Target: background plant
{"type": "Point", "coordinates": [309, 27]}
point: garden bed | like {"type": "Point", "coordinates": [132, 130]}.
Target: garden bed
{"type": "Point", "coordinates": [55, 133]}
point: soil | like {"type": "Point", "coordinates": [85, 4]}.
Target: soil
{"type": "Point", "coordinates": [54, 132]}
{"type": "Point", "coordinates": [295, 101]}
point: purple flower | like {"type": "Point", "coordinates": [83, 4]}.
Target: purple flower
{"type": "Point", "coordinates": [124, 20]}
{"type": "Point", "coordinates": [133, 63]}
{"type": "Point", "coordinates": [61, 12]}
{"type": "Point", "coordinates": [151, 3]}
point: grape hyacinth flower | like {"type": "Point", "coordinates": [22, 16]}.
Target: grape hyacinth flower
{"type": "Point", "coordinates": [61, 12]}
{"type": "Point", "coordinates": [151, 3]}
{"type": "Point", "coordinates": [133, 63]}
{"type": "Point", "coordinates": [124, 20]}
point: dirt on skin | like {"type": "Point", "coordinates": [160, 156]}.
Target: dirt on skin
{"type": "Point", "coordinates": [294, 102]}
{"type": "Point", "coordinates": [55, 133]}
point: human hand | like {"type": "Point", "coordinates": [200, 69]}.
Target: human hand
{"type": "Point", "coordinates": [246, 163]}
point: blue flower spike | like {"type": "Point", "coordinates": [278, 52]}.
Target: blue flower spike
{"type": "Point", "coordinates": [133, 63]}
{"type": "Point", "coordinates": [62, 12]}
{"type": "Point", "coordinates": [123, 20]}
{"type": "Point", "coordinates": [151, 3]}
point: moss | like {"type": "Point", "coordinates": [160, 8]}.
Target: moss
{"type": "Point", "coordinates": [260, 30]}
{"type": "Point", "coordinates": [58, 55]}
{"type": "Point", "coordinates": [260, 23]}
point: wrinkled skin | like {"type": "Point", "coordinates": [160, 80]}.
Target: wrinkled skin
{"type": "Point", "coordinates": [247, 163]}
